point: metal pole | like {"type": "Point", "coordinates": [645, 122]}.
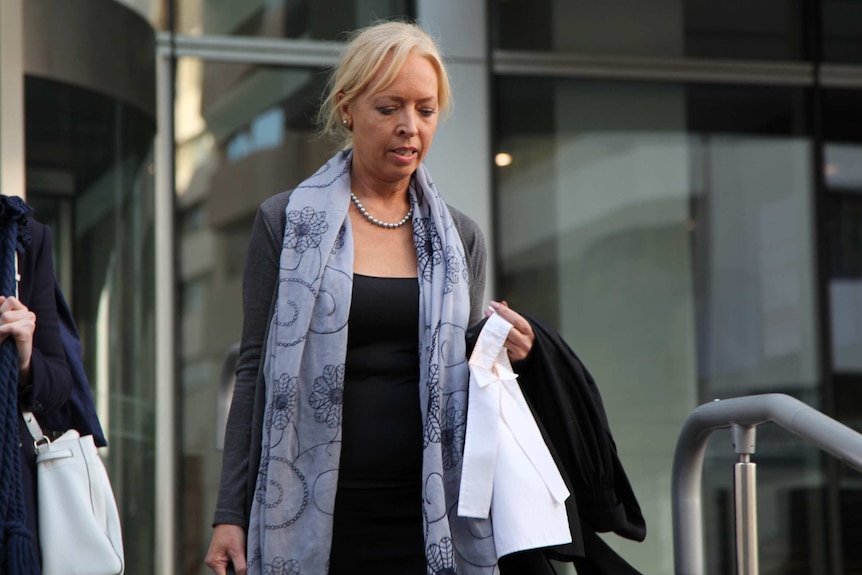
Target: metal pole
{"type": "Point", "coordinates": [166, 536]}
{"type": "Point", "coordinates": [745, 496]}
{"type": "Point", "coordinates": [745, 492]}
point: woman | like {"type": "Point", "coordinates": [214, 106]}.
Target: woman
{"type": "Point", "coordinates": [44, 380]}
{"type": "Point", "coordinates": [360, 424]}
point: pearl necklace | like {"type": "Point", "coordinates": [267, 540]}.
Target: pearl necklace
{"type": "Point", "coordinates": [377, 222]}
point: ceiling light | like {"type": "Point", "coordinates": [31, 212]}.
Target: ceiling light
{"type": "Point", "coordinates": [503, 159]}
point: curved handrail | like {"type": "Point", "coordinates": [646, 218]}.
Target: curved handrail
{"type": "Point", "coordinates": [800, 419]}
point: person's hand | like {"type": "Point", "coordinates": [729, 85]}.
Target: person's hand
{"type": "Point", "coordinates": [521, 336]}
{"type": "Point", "coordinates": [227, 546]}
{"type": "Point", "coordinates": [18, 322]}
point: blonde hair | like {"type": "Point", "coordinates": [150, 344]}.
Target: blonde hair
{"type": "Point", "coordinates": [366, 51]}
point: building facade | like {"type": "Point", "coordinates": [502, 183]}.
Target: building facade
{"type": "Point", "coordinates": [675, 185]}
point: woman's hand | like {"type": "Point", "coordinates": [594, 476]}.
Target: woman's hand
{"type": "Point", "coordinates": [17, 321]}
{"type": "Point", "coordinates": [227, 546]}
{"type": "Point", "coordinates": [521, 336]}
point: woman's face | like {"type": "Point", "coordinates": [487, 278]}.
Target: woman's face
{"type": "Point", "coordinates": [393, 128]}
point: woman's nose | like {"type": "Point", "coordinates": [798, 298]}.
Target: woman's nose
{"type": "Point", "coordinates": [407, 126]}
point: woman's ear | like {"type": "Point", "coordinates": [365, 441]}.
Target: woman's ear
{"type": "Point", "coordinates": [342, 105]}
{"type": "Point", "coordinates": [344, 108]}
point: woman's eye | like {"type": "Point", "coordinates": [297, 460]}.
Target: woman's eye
{"type": "Point", "coordinates": [385, 110]}
{"type": "Point", "coordinates": [428, 112]}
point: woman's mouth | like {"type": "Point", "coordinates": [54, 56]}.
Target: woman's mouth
{"type": "Point", "coordinates": [405, 152]}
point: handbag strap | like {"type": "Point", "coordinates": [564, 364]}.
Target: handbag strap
{"type": "Point", "coordinates": [39, 438]}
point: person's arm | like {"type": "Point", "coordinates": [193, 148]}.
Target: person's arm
{"type": "Point", "coordinates": [44, 377]}
{"type": "Point", "coordinates": [259, 281]}
{"type": "Point", "coordinates": [477, 258]}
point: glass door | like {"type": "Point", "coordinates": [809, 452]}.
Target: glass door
{"type": "Point", "coordinates": [243, 133]}
{"type": "Point", "coordinates": [90, 178]}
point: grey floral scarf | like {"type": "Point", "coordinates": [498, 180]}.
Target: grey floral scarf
{"type": "Point", "coordinates": [291, 517]}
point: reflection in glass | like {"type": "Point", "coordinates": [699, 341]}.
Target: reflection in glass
{"type": "Point", "coordinates": [842, 31]}
{"type": "Point", "coordinates": [843, 167]}
{"type": "Point", "coordinates": [665, 229]}
{"type": "Point", "coordinates": [843, 225]}
{"type": "Point", "coordinates": [843, 237]}
{"type": "Point", "coordinates": [90, 176]}
{"type": "Point", "coordinates": [763, 30]}
{"type": "Point", "coordinates": [843, 180]}
{"type": "Point", "coordinates": [305, 19]}
{"type": "Point", "coordinates": [243, 133]}
{"type": "Point", "coordinates": [751, 170]}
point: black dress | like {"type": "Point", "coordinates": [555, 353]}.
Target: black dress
{"type": "Point", "coordinates": [378, 505]}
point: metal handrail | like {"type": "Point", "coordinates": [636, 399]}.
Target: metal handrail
{"type": "Point", "coordinates": [743, 414]}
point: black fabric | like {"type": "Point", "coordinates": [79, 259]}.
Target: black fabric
{"type": "Point", "coordinates": [568, 407]}
{"type": "Point", "coordinates": [381, 420]}
{"type": "Point", "coordinates": [526, 563]}
{"type": "Point", "coordinates": [600, 558]}
{"type": "Point", "coordinates": [377, 524]}
{"type": "Point", "coordinates": [379, 531]}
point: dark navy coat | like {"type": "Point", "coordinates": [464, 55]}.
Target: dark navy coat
{"type": "Point", "coordinates": [51, 380]}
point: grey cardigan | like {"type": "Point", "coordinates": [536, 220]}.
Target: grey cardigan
{"type": "Point", "coordinates": [245, 422]}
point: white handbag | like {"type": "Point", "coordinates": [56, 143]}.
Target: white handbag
{"type": "Point", "coordinates": [79, 525]}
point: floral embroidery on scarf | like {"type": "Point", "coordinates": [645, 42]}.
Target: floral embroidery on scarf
{"type": "Point", "coordinates": [304, 229]}
{"type": "Point", "coordinates": [429, 248]}
{"type": "Point", "coordinates": [432, 419]}
{"type": "Point", "coordinates": [452, 436]}
{"type": "Point", "coordinates": [283, 404]}
{"type": "Point", "coordinates": [441, 558]}
{"type": "Point", "coordinates": [328, 396]}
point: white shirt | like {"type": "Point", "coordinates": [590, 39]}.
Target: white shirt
{"type": "Point", "coordinates": [508, 471]}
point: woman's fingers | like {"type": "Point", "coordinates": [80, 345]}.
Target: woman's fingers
{"type": "Point", "coordinates": [17, 321]}
{"type": "Point", "coordinates": [521, 336]}
{"type": "Point", "coordinates": [11, 309]}
{"type": "Point", "coordinates": [20, 323]}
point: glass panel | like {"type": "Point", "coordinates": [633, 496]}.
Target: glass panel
{"type": "Point", "coordinates": [243, 133]}
{"type": "Point", "coordinates": [843, 179]}
{"type": "Point", "coordinates": [90, 177]}
{"type": "Point", "coordinates": [764, 30]}
{"type": "Point", "coordinates": [310, 19]}
{"type": "Point", "coordinates": [752, 240]}
{"type": "Point", "coordinates": [842, 31]}
{"type": "Point", "coordinates": [843, 236]}
{"type": "Point", "coordinates": [666, 230]}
